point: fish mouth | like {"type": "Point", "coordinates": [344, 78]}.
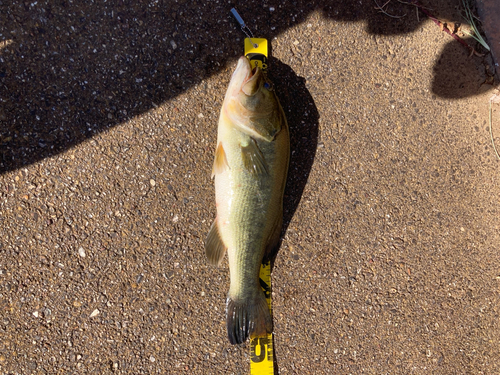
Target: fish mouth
{"type": "Point", "coordinates": [245, 68]}
{"type": "Point", "coordinates": [252, 75]}
{"type": "Point", "coordinates": [252, 85]}
{"type": "Point", "coordinates": [251, 78]}
{"type": "Point", "coordinates": [245, 79]}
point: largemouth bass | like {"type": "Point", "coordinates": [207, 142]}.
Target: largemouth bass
{"type": "Point", "coordinates": [250, 168]}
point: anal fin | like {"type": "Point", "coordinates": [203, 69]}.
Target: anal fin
{"type": "Point", "coordinates": [214, 247]}
{"type": "Point", "coordinates": [253, 160]}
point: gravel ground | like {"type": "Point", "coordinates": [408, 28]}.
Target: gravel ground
{"type": "Point", "coordinates": [389, 262]}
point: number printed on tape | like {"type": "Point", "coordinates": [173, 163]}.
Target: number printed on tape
{"type": "Point", "coordinates": [261, 348]}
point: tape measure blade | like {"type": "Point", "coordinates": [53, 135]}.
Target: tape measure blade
{"type": "Point", "coordinates": [262, 355]}
{"type": "Point", "coordinates": [261, 348]}
{"type": "Point", "coordinates": [257, 52]}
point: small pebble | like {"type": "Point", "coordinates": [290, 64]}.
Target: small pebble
{"type": "Point", "coordinates": [152, 182]}
{"type": "Point", "coordinates": [81, 252]}
{"type": "Point", "coordinates": [173, 44]}
{"type": "Point", "coordinates": [94, 313]}
{"type": "Point", "coordinates": [35, 314]}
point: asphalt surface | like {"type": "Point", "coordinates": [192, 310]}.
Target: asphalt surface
{"type": "Point", "coordinates": [389, 262]}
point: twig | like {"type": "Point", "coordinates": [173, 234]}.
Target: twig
{"type": "Point", "coordinates": [445, 29]}
{"type": "Point", "coordinates": [380, 8]}
{"type": "Point", "coordinates": [414, 4]}
{"type": "Point", "coordinates": [383, 6]}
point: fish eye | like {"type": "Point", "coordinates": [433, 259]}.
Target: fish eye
{"type": "Point", "coordinates": [267, 86]}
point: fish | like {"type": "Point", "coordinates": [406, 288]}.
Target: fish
{"type": "Point", "coordinates": [250, 170]}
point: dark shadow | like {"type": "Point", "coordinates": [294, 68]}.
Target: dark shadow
{"type": "Point", "coordinates": [71, 69]}
{"type": "Point", "coordinates": [459, 75]}
{"type": "Point", "coordinates": [303, 121]}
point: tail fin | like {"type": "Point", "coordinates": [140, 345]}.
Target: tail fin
{"type": "Point", "coordinates": [249, 317]}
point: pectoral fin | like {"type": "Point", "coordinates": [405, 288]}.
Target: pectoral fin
{"type": "Point", "coordinates": [220, 161]}
{"type": "Point", "coordinates": [253, 160]}
{"type": "Point", "coordinates": [214, 247]}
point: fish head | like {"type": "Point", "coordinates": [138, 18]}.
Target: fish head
{"type": "Point", "coordinates": [251, 103]}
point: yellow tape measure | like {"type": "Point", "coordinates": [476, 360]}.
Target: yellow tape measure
{"type": "Point", "coordinates": [261, 348]}
{"type": "Point", "coordinates": [255, 48]}
{"type": "Point", "coordinates": [256, 52]}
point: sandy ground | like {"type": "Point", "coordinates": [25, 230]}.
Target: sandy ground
{"type": "Point", "coordinates": [389, 262]}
